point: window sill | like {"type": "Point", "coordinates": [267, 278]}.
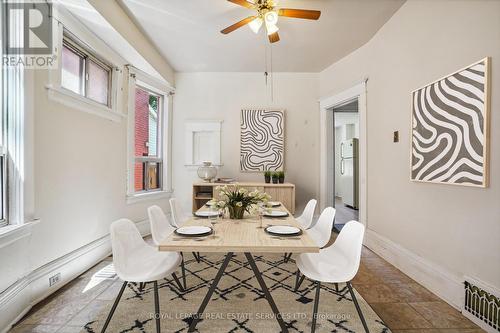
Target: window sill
{"type": "Point", "coordinates": [84, 104]}
{"type": "Point", "coordinates": [12, 233]}
{"type": "Point", "coordinates": [135, 198]}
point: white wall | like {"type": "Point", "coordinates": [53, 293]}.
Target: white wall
{"type": "Point", "coordinates": [221, 96]}
{"type": "Point", "coordinates": [455, 228]}
{"type": "Point", "coordinates": [79, 166]}
{"type": "Point", "coordinates": [81, 170]}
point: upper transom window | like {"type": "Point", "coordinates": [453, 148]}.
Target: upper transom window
{"type": "Point", "coordinates": [84, 74]}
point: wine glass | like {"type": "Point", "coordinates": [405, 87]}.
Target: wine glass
{"type": "Point", "coordinates": [261, 210]}
{"type": "Point", "coordinates": [213, 219]}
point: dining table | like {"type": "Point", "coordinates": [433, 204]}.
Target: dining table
{"type": "Point", "coordinates": [248, 236]}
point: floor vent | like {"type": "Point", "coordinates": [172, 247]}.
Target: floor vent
{"type": "Point", "coordinates": [482, 305]}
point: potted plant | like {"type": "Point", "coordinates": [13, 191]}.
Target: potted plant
{"type": "Point", "coordinates": [238, 200]}
{"type": "Point", "coordinates": [276, 177]}
{"type": "Point", "coordinates": [281, 177]}
{"type": "Point", "coordinates": [267, 176]}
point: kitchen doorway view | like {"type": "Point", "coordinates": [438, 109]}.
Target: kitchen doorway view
{"type": "Point", "coordinates": [346, 161]}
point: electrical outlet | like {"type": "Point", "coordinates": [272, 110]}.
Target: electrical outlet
{"type": "Point", "coordinates": [396, 136]}
{"type": "Point", "coordinates": [54, 279]}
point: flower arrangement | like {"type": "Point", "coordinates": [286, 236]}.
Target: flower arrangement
{"type": "Point", "coordinates": [238, 200]}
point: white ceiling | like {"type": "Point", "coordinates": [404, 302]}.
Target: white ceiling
{"type": "Point", "coordinates": [187, 33]}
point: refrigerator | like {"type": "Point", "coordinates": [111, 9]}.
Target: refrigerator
{"type": "Point", "coordinates": [349, 172]}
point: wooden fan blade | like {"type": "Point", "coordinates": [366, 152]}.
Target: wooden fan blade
{"type": "Point", "coordinates": [273, 38]}
{"type": "Point", "coordinates": [243, 3]}
{"type": "Point", "coordinates": [300, 13]}
{"type": "Point", "coordinates": [239, 24]}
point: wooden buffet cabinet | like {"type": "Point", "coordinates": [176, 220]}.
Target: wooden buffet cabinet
{"type": "Point", "coordinates": [285, 193]}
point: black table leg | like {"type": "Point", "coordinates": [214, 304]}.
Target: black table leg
{"type": "Point", "coordinates": [268, 296]}
{"type": "Point", "coordinates": [183, 269]}
{"type": "Point", "coordinates": [211, 290]}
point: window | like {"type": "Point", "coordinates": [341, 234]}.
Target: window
{"type": "Point", "coordinates": [147, 140]}
{"type": "Point", "coordinates": [84, 74]}
{"type": "Point", "coordinates": [3, 188]}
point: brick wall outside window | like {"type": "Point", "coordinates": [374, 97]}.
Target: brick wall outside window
{"type": "Point", "coordinates": [141, 134]}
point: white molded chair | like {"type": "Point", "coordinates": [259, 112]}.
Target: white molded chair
{"type": "Point", "coordinates": [161, 229]}
{"type": "Point", "coordinates": [135, 261]}
{"type": "Point", "coordinates": [337, 263]}
{"type": "Point", "coordinates": [179, 218]}
{"type": "Point", "coordinates": [306, 219]}
{"type": "Point", "coordinates": [178, 215]}
{"type": "Point", "coordinates": [322, 230]}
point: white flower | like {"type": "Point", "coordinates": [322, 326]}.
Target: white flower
{"type": "Point", "coordinates": [221, 203]}
{"type": "Point", "coordinates": [243, 190]}
{"type": "Point", "coordinates": [239, 204]}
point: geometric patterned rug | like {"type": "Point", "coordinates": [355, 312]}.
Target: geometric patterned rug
{"type": "Point", "coordinates": [237, 305]}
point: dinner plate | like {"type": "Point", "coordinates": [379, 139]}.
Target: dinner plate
{"type": "Point", "coordinates": [283, 230]}
{"type": "Point", "coordinates": [273, 204]}
{"type": "Point", "coordinates": [193, 231]}
{"type": "Point", "coordinates": [206, 213]}
{"type": "Point", "coordinates": [276, 213]}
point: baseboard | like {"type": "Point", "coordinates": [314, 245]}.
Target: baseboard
{"type": "Point", "coordinates": [438, 280]}
{"type": "Point", "coordinates": [20, 297]}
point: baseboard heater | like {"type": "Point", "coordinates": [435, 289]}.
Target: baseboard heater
{"type": "Point", "coordinates": [482, 305]}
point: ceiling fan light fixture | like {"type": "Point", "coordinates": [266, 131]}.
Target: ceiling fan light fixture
{"type": "Point", "coordinates": [271, 17]}
{"type": "Point", "coordinates": [271, 28]}
{"type": "Point", "coordinates": [255, 25]}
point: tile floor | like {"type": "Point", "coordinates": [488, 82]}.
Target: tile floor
{"type": "Point", "coordinates": [404, 305]}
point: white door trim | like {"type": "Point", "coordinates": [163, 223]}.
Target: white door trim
{"type": "Point", "coordinates": [326, 174]}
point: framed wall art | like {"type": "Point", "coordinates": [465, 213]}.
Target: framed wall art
{"type": "Point", "coordinates": [262, 140]}
{"type": "Point", "coordinates": [450, 125]}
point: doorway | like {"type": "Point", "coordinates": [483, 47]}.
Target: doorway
{"type": "Point", "coordinates": [346, 162]}
{"type": "Point", "coordinates": [334, 111]}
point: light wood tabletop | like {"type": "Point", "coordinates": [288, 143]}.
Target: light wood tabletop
{"type": "Point", "coordinates": [241, 236]}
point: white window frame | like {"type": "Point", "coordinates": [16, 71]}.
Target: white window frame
{"type": "Point", "coordinates": [67, 25]}
{"type": "Point", "coordinates": [3, 166]}
{"type": "Point", "coordinates": [137, 78]}
{"type": "Point", "coordinates": [76, 47]}
{"type": "Point", "coordinates": [209, 127]}
{"type": "Point", "coordinates": [3, 188]}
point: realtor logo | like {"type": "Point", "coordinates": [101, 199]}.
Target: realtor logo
{"type": "Point", "coordinates": [28, 39]}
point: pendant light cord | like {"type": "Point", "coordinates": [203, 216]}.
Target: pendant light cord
{"type": "Point", "coordinates": [272, 75]}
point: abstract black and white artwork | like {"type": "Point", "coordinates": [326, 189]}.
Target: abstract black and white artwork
{"type": "Point", "coordinates": [450, 128]}
{"type": "Point", "coordinates": [262, 140]}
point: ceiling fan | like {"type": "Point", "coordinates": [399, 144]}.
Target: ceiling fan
{"type": "Point", "coordinates": [267, 14]}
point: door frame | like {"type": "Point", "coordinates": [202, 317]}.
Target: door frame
{"type": "Point", "coordinates": [327, 170]}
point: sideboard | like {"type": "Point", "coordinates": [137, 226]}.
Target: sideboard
{"type": "Point", "coordinates": [285, 193]}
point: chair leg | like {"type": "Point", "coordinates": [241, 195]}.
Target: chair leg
{"type": "Point", "coordinates": [183, 270]}
{"type": "Point", "coordinates": [297, 276]}
{"type": "Point", "coordinates": [113, 308]}
{"type": "Point", "coordinates": [315, 309]}
{"type": "Point", "coordinates": [157, 307]}
{"type": "Point", "coordinates": [336, 287]}
{"type": "Point", "coordinates": [287, 257]}
{"type": "Point", "coordinates": [141, 286]}
{"type": "Point", "coordinates": [181, 288]}
{"type": "Point", "coordinates": [298, 280]}
{"type": "Point", "coordinates": [358, 308]}
{"type": "Point", "coordinates": [196, 255]}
